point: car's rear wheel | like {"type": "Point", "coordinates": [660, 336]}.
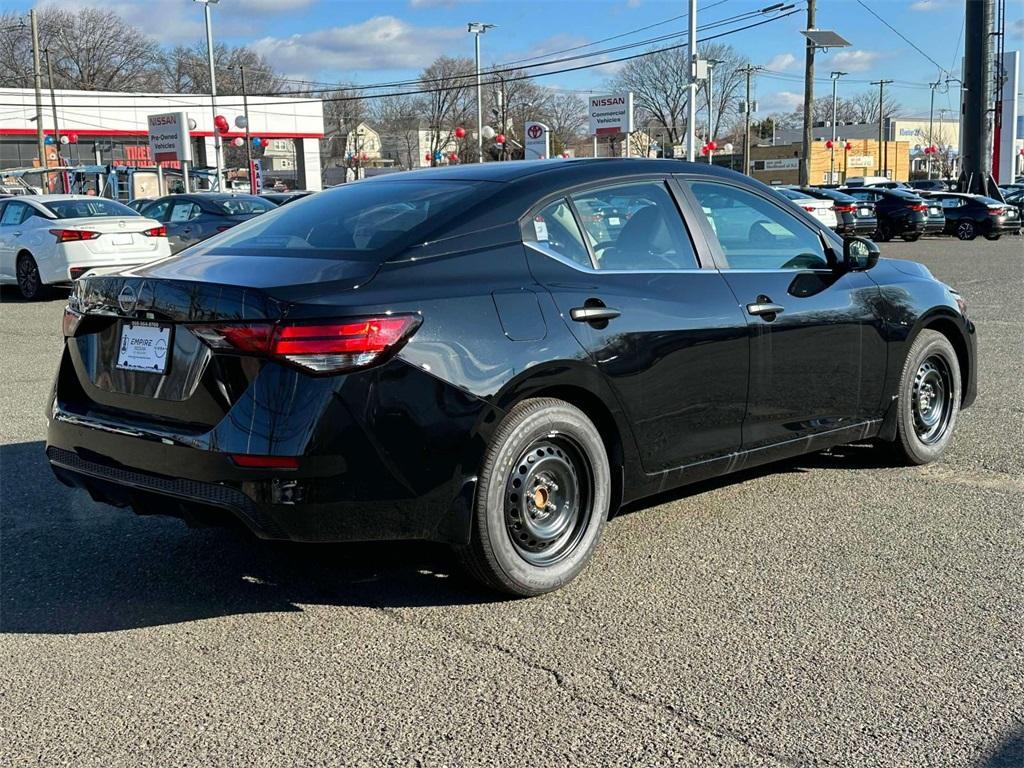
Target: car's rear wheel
{"type": "Point", "coordinates": [542, 499]}
{"type": "Point", "coordinates": [992, 237]}
{"type": "Point", "coordinates": [882, 234]}
{"type": "Point", "coordinates": [29, 282]}
{"type": "Point", "coordinates": [911, 238]}
{"type": "Point", "coordinates": [966, 230]}
{"type": "Point", "coordinates": [929, 399]}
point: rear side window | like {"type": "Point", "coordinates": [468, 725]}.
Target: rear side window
{"type": "Point", "coordinates": [757, 234]}
{"type": "Point", "coordinates": [242, 206]}
{"type": "Point", "coordinates": [13, 213]}
{"type": "Point", "coordinates": [635, 227]}
{"type": "Point", "coordinates": [184, 211]}
{"type": "Point", "coordinates": [554, 231]}
{"type": "Point", "coordinates": [353, 221]}
{"type": "Point", "coordinates": [85, 208]}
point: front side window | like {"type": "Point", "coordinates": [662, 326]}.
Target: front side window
{"type": "Point", "coordinates": [554, 231]}
{"type": "Point", "coordinates": [754, 233]}
{"type": "Point", "coordinates": [635, 227]}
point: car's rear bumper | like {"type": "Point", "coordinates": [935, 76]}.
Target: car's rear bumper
{"type": "Point", "coordinates": [374, 471]}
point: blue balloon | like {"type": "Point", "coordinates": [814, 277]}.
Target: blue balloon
{"type": "Point", "coordinates": [50, 140]}
{"type": "Point", "coordinates": [437, 155]}
{"type": "Point", "coordinates": [255, 142]}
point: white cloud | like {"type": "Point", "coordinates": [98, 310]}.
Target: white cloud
{"type": "Point", "coordinates": [438, 3]}
{"type": "Point", "coordinates": [780, 62]}
{"type": "Point", "coordinates": [1017, 28]}
{"type": "Point", "coordinates": [929, 5]}
{"type": "Point", "coordinates": [383, 42]}
{"type": "Point", "coordinates": [780, 101]}
{"type": "Point", "coordinates": [633, 3]}
{"type": "Point", "coordinates": [855, 61]}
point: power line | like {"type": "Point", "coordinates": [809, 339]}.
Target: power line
{"type": "Point", "coordinates": [903, 37]}
{"type": "Point", "coordinates": [789, 12]}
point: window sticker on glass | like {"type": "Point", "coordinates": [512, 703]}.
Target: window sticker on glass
{"type": "Point", "coordinates": [540, 228]}
{"type": "Point", "coordinates": [181, 212]}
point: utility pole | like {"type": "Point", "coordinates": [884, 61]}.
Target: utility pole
{"type": "Point", "coordinates": [931, 126]}
{"type": "Point", "coordinates": [881, 125]}
{"type": "Point", "coordinates": [835, 108]}
{"type": "Point", "coordinates": [711, 104]}
{"type": "Point", "coordinates": [748, 70]}
{"type": "Point", "coordinates": [53, 104]}
{"type": "Point", "coordinates": [976, 162]}
{"type": "Point", "coordinates": [805, 160]}
{"type": "Point", "coordinates": [248, 137]}
{"type": "Point", "coordinates": [217, 148]}
{"type": "Point", "coordinates": [37, 77]}
{"type": "Point", "coordinates": [691, 110]}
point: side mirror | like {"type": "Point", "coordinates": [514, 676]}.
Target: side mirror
{"type": "Point", "coordinates": [859, 254]}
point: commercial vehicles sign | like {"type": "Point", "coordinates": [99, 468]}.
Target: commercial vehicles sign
{"type": "Point", "coordinates": [536, 146]}
{"type": "Point", "coordinates": [168, 137]}
{"type": "Point", "coordinates": [611, 114]}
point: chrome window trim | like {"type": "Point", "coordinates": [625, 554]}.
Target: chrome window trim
{"type": "Point", "coordinates": [591, 271]}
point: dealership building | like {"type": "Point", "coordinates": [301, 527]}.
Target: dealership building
{"type": "Point", "coordinates": [108, 128]}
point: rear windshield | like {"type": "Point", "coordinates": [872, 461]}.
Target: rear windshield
{"type": "Point", "coordinates": [353, 221]}
{"type": "Point", "coordinates": [241, 206]}
{"type": "Point", "coordinates": [77, 209]}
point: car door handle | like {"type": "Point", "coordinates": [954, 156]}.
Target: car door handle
{"type": "Point", "coordinates": [764, 308]}
{"type": "Point", "coordinates": [593, 314]}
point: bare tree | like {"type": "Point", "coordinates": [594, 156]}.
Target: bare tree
{"type": "Point", "coordinates": [84, 50]}
{"type": "Point", "coordinates": [659, 83]}
{"type": "Point", "coordinates": [566, 115]}
{"type": "Point", "coordinates": [863, 108]}
{"type": "Point", "coordinates": [727, 85]}
{"type": "Point", "coordinates": [448, 99]}
{"type": "Point", "coordinates": [187, 70]}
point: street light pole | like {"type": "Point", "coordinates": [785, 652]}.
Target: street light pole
{"type": "Point", "coordinates": [835, 104]}
{"type": "Point", "coordinates": [37, 77]}
{"type": "Point", "coordinates": [478, 28]}
{"type": "Point", "coordinates": [213, 88]}
{"type": "Point", "coordinates": [881, 122]}
{"type": "Point", "coordinates": [691, 118]}
{"type": "Point", "coordinates": [711, 104]}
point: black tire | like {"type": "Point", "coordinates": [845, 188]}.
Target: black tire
{"type": "Point", "coordinates": [911, 238]}
{"type": "Point", "coordinates": [929, 399]}
{"type": "Point", "coordinates": [992, 237]}
{"type": "Point", "coordinates": [30, 284]}
{"type": "Point", "coordinates": [882, 234]}
{"type": "Point", "coordinates": [965, 230]}
{"type": "Point", "coordinates": [528, 543]}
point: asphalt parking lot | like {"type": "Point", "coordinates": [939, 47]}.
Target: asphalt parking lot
{"type": "Point", "coordinates": [829, 611]}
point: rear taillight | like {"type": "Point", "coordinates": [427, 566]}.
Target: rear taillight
{"type": "Point", "coordinates": [224, 227]}
{"type": "Point", "coordinates": [809, 208]}
{"type": "Point", "coordinates": [160, 231]}
{"type": "Point", "coordinates": [325, 347]}
{"type": "Point", "coordinates": [918, 207]}
{"type": "Point", "coordinates": [73, 235]}
{"type": "Point", "coordinates": [845, 208]}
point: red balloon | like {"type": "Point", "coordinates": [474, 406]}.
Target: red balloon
{"type": "Point", "coordinates": [829, 144]}
{"type": "Point", "coordinates": [264, 142]}
{"type": "Point", "coordinates": [73, 138]}
{"type": "Point", "coordinates": [848, 146]}
{"type": "Point", "coordinates": [453, 158]}
{"type": "Point", "coordinates": [500, 138]}
{"type": "Point", "coordinates": [712, 146]}
{"type": "Point", "coordinates": [460, 132]}
{"type": "Point", "coordinates": [427, 157]}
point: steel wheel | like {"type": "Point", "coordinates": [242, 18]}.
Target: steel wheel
{"type": "Point", "coordinates": [965, 230]}
{"type": "Point", "coordinates": [931, 399]}
{"type": "Point", "coordinates": [29, 282]}
{"type": "Point", "coordinates": [546, 497]}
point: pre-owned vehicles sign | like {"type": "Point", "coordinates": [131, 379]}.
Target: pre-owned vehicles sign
{"type": "Point", "coordinates": [168, 137]}
{"type": "Point", "coordinates": [611, 114]}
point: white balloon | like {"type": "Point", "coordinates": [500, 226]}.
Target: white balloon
{"type": "Point", "coordinates": [488, 132]}
{"type": "Point", "coordinates": [192, 124]}
{"type": "Point", "coordinates": [727, 149]}
{"type": "Point", "coordinates": [240, 121]}
{"type": "Point", "coordinates": [238, 141]}
{"type": "Point", "coordinates": [65, 140]}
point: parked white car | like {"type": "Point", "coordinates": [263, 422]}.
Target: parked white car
{"type": "Point", "coordinates": [53, 239]}
{"type": "Point", "coordinates": [823, 210]}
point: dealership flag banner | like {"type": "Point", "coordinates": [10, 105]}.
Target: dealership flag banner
{"type": "Point", "coordinates": [169, 138]}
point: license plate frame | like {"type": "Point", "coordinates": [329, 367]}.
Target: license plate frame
{"type": "Point", "coordinates": [139, 347]}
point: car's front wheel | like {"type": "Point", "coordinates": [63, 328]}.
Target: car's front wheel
{"type": "Point", "coordinates": [966, 230]}
{"type": "Point", "coordinates": [911, 238]}
{"type": "Point", "coordinates": [29, 282]}
{"type": "Point", "coordinates": [542, 499]}
{"type": "Point", "coordinates": [929, 398]}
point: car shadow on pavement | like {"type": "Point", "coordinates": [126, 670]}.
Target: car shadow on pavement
{"type": "Point", "coordinates": [70, 565]}
{"type": "Point", "coordinates": [9, 294]}
{"type": "Point", "coordinates": [1009, 753]}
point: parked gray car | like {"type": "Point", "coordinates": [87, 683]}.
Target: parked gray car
{"type": "Point", "coordinates": [194, 217]}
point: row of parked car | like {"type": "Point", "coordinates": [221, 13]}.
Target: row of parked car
{"type": "Point", "coordinates": [888, 210]}
{"type": "Point", "coordinates": [55, 239]}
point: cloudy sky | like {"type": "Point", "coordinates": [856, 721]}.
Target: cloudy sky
{"type": "Point", "coordinates": [388, 40]}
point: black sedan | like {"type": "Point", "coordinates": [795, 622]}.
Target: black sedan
{"type": "Point", "coordinates": [968, 216]}
{"type": "Point", "coordinates": [901, 213]}
{"type": "Point", "coordinates": [191, 218]}
{"type": "Point", "coordinates": [457, 355]}
{"type": "Point", "coordinates": [853, 216]}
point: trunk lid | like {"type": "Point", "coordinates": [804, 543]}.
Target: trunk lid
{"type": "Point", "coordinates": [117, 234]}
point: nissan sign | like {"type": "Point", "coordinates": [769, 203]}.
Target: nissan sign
{"type": "Point", "coordinates": [169, 138]}
{"type": "Point", "coordinates": [611, 114]}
